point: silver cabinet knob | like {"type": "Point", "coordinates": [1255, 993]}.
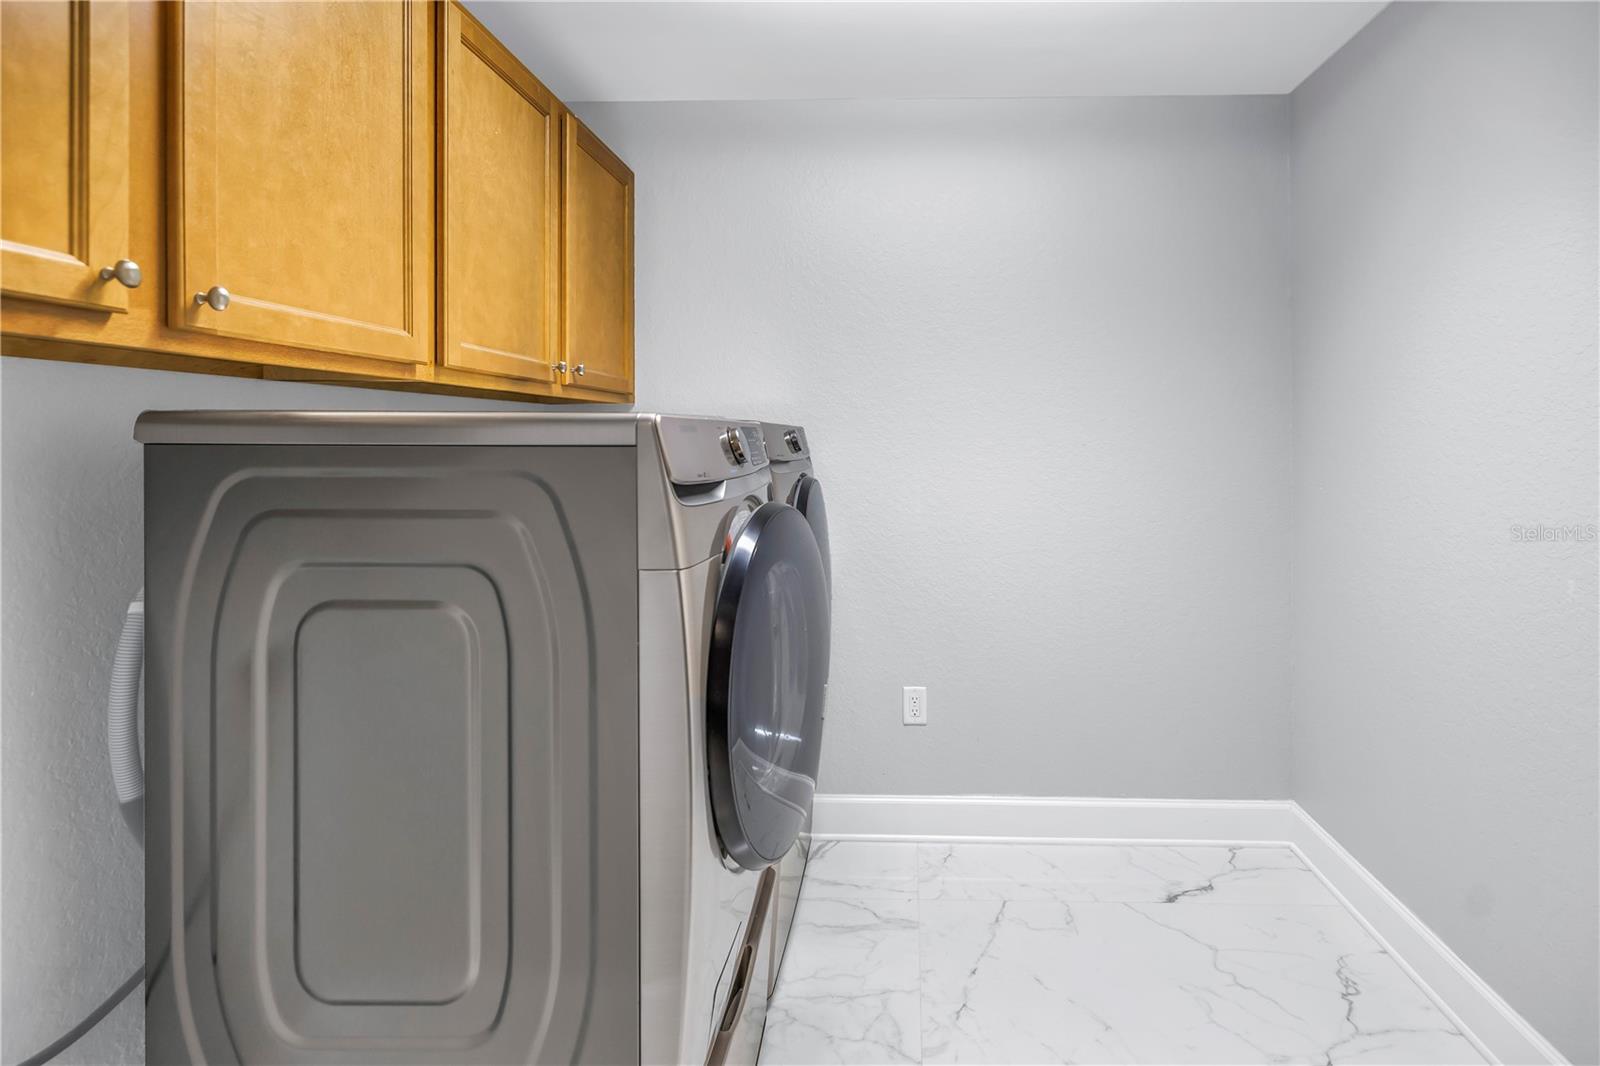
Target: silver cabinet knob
{"type": "Point", "coordinates": [125, 271]}
{"type": "Point", "coordinates": [559, 368]}
{"type": "Point", "coordinates": [578, 370]}
{"type": "Point", "coordinates": [215, 298]}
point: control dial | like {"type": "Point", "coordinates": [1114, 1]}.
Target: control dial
{"type": "Point", "coordinates": [733, 444]}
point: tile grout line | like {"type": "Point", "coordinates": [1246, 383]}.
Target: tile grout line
{"type": "Point", "coordinates": [916, 883]}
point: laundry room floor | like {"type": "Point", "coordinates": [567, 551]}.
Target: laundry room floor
{"type": "Point", "coordinates": [1088, 953]}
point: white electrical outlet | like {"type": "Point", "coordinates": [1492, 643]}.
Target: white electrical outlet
{"type": "Point", "coordinates": [914, 705]}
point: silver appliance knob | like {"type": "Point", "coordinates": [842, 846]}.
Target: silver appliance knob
{"type": "Point", "coordinates": [792, 439]}
{"type": "Point", "coordinates": [733, 444]}
{"type": "Point", "coordinates": [124, 270]}
{"type": "Point", "coordinates": [215, 298]}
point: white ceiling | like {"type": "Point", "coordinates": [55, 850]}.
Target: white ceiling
{"type": "Point", "coordinates": [908, 49]}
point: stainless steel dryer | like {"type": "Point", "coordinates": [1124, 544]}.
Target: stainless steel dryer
{"type": "Point", "coordinates": [471, 737]}
{"type": "Point", "coordinates": [795, 483]}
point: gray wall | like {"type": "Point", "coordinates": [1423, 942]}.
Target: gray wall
{"type": "Point", "coordinates": [70, 519]}
{"type": "Point", "coordinates": [1042, 350]}
{"type": "Point", "coordinates": [1445, 339]}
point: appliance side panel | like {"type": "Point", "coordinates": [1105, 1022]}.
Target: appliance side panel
{"type": "Point", "coordinates": [162, 564]}
{"type": "Point", "coordinates": [606, 522]}
{"type": "Point", "coordinates": [393, 705]}
{"type": "Point", "coordinates": [174, 499]}
{"type": "Point", "coordinates": [666, 782]}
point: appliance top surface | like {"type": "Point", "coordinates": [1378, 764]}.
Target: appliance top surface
{"type": "Point", "coordinates": [407, 427]}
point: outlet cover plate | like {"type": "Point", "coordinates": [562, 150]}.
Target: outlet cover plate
{"type": "Point", "coordinates": [914, 705]}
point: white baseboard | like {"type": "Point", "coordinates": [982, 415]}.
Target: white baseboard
{"type": "Point", "coordinates": [1038, 818]}
{"type": "Point", "coordinates": [1500, 1032]}
{"type": "Point", "coordinates": [1498, 1029]}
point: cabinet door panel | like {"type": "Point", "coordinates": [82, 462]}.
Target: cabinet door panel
{"type": "Point", "coordinates": [302, 182]}
{"type": "Point", "coordinates": [64, 150]}
{"type": "Point", "coordinates": [597, 281]}
{"type": "Point", "coordinates": [499, 185]}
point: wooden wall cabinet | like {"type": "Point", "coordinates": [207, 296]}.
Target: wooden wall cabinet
{"type": "Point", "coordinates": [499, 200]}
{"type": "Point", "coordinates": [597, 264]}
{"type": "Point", "coordinates": [64, 153]}
{"type": "Point", "coordinates": [383, 192]}
{"type": "Point", "coordinates": [301, 177]}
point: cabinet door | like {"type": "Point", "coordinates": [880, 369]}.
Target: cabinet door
{"type": "Point", "coordinates": [597, 274]}
{"type": "Point", "coordinates": [499, 208]}
{"type": "Point", "coordinates": [301, 182]}
{"type": "Point", "coordinates": [64, 151]}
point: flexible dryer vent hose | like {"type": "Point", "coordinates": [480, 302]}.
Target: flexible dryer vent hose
{"type": "Point", "coordinates": [122, 718]}
{"type": "Point", "coordinates": [127, 774]}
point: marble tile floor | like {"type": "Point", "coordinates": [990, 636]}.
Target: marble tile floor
{"type": "Point", "coordinates": [1088, 953]}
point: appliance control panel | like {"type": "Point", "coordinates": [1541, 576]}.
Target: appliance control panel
{"type": "Point", "coordinates": [785, 442]}
{"type": "Point", "coordinates": [758, 441]}
{"type": "Point", "coordinates": [702, 450]}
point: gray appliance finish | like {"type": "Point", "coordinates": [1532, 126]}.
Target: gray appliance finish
{"type": "Point", "coordinates": [794, 482]}
{"type": "Point", "coordinates": [425, 752]}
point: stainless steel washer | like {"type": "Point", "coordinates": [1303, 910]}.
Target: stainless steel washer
{"type": "Point", "coordinates": [471, 736]}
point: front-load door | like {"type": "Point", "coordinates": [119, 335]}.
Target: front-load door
{"type": "Point", "coordinates": [806, 497]}
{"type": "Point", "coordinates": [764, 690]}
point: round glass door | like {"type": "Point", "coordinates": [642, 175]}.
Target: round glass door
{"type": "Point", "coordinates": [806, 497]}
{"type": "Point", "coordinates": [764, 690]}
